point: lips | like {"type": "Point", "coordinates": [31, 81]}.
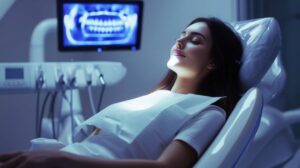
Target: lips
{"type": "Point", "coordinates": [177, 52]}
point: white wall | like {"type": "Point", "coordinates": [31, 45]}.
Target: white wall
{"type": "Point", "coordinates": [163, 21]}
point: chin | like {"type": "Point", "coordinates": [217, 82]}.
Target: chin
{"type": "Point", "coordinates": [172, 66]}
{"type": "Point", "coordinates": [180, 71]}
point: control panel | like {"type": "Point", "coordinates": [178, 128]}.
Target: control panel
{"type": "Point", "coordinates": [28, 76]}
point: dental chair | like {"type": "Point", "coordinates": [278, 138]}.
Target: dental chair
{"type": "Point", "coordinates": [274, 144]}
{"type": "Point", "coordinates": [239, 143]}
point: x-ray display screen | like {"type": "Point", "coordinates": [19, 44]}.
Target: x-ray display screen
{"type": "Point", "coordinates": [99, 24]}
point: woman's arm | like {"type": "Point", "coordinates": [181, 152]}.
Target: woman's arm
{"type": "Point", "coordinates": [177, 155]}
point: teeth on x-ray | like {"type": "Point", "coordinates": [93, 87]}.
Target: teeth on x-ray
{"type": "Point", "coordinates": [101, 25]}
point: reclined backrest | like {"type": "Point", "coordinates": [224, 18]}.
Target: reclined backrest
{"type": "Point", "coordinates": [234, 137]}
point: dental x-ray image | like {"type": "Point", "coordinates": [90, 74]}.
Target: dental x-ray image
{"type": "Point", "coordinates": [99, 25]}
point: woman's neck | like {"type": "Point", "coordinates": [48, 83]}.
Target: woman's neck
{"type": "Point", "coordinates": [185, 85]}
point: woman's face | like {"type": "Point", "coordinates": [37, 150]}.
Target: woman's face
{"type": "Point", "coordinates": [190, 55]}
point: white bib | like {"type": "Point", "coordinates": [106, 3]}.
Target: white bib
{"type": "Point", "coordinates": [129, 118]}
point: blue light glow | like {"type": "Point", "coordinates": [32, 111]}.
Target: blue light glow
{"type": "Point", "coordinates": [94, 24]}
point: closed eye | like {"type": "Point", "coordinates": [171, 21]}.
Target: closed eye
{"type": "Point", "coordinates": [194, 37]}
{"type": "Point", "coordinates": [196, 40]}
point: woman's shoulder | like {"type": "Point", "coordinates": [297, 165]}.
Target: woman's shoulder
{"type": "Point", "coordinates": [214, 111]}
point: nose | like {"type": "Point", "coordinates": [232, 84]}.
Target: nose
{"type": "Point", "coordinates": [179, 44]}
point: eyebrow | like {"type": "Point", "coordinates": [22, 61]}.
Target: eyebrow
{"type": "Point", "coordinates": [196, 33]}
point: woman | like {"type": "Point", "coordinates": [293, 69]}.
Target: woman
{"type": "Point", "coordinates": [205, 60]}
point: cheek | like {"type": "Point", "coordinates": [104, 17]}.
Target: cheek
{"type": "Point", "coordinates": [199, 59]}
{"type": "Point", "coordinates": [199, 55]}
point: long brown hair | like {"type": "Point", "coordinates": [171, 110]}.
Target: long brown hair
{"type": "Point", "coordinates": [226, 53]}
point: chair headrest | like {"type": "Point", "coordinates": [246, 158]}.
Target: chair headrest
{"type": "Point", "coordinates": [262, 41]}
{"type": "Point", "coordinates": [274, 80]}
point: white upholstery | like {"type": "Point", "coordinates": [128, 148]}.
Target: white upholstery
{"type": "Point", "coordinates": [273, 143]}
{"type": "Point", "coordinates": [238, 131]}
{"type": "Point", "coordinates": [273, 81]}
{"type": "Point", "coordinates": [262, 40]}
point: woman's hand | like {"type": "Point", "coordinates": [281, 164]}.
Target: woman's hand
{"type": "Point", "coordinates": [34, 159]}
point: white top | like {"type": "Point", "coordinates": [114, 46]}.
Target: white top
{"type": "Point", "coordinates": [200, 131]}
{"type": "Point", "coordinates": [143, 127]}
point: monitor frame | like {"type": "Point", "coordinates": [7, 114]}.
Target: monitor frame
{"type": "Point", "coordinates": [60, 27]}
